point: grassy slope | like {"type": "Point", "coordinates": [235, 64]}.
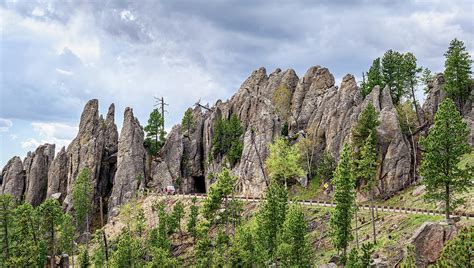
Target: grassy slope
{"type": "Point", "coordinates": [394, 230]}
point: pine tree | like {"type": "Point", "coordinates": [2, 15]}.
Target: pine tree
{"type": "Point", "coordinates": [374, 78]}
{"type": "Point", "coordinates": [128, 251]}
{"type": "Point", "coordinates": [425, 78]}
{"type": "Point", "coordinates": [283, 163]}
{"type": "Point", "coordinates": [367, 169]}
{"type": "Point", "coordinates": [82, 199]}
{"type": "Point", "coordinates": [446, 142]}
{"type": "Point", "coordinates": [459, 252]}
{"type": "Point", "coordinates": [392, 69]}
{"type": "Point", "coordinates": [226, 139]}
{"type": "Point", "coordinates": [98, 252]}
{"type": "Point", "coordinates": [51, 219]}
{"type": "Point", "coordinates": [242, 252]}
{"type": "Point", "coordinates": [140, 222]}
{"type": "Point", "coordinates": [27, 250]}
{"type": "Point", "coordinates": [188, 121]}
{"type": "Point", "coordinates": [155, 133]}
{"type": "Point", "coordinates": [270, 219]}
{"type": "Point", "coordinates": [193, 216]}
{"type": "Point", "coordinates": [344, 197]}
{"type": "Point", "coordinates": [66, 235]}
{"type": "Point", "coordinates": [84, 260]}
{"type": "Point", "coordinates": [360, 258]}
{"type": "Point", "coordinates": [7, 206]}
{"type": "Point", "coordinates": [215, 206]}
{"type": "Point", "coordinates": [409, 261]}
{"type": "Point", "coordinates": [366, 124]}
{"type": "Point", "coordinates": [410, 73]}
{"type": "Point", "coordinates": [176, 215]}
{"type": "Point", "coordinates": [457, 73]}
{"type": "Point", "coordinates": [294, 249]}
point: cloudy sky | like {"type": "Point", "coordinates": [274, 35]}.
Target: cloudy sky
{"type": "Point", "coordinates": [57, 54]}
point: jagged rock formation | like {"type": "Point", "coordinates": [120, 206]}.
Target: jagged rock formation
{"type": "Point", "coordinates": [37, 173]}
{"type": "Point", "coordinates": [57, 176]}
{"type": "Point", "coordinates": [120, 170]}
{"type": "Point", "coordinates": [93, 148]}
{"type": "Point", "coordinates": [429, 241]}
{"type": "Point", "coordinates": [13, 178]}
{"type": "Point", "coordinates": [130, 175]}
{"type": "Point", "coordinates": [316, 103]}
{"type": "Point", "coordinates": [436, 95]}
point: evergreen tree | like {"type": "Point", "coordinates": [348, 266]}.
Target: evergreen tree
{"type": "Point", "coordinates": [360, 258]}
{"type": "Point", "coordinates": [409, 261]}
{"type": "Point", "coordinates": [128, 251]}
{"type": "Point", "coordinates": [28, 250]}
{"type": "Point", "coordinates": [82, 199]}
{"type": "Point", "coordinates": [270, 219]}
{"type": "Point", "coordinates": [84, 260]}
{"type": "Point", "coordinates": [193, 217]}
{"type": "Point", "coordinates": [203, 249]}
{"type": "Point", "coordinates": [459, 251]}
{"type": "Point", "coordinates": [392, 69]}
{"type": "Point", "coordinates": [442, 148]}
{"type": "Point", "coordinates": [226, 139]}
{"type": "Point", "coordinates": [242, 252]}
{"type": "Point", "coordinates": [367, 170]}
{"type": "Point", "coordinates": [366, 124]}
{"type": "Point", "coordinates": [374, 78]}
{"type": "Point", "coordinates": [155, 133]}
{"type": "Point", "coordinates": [160, 258]}
{"type": "Point", "coordinates": [344, 197]}
{"type": "Point", "coordinates": [425, 78]}
{"type": "Point", "coordinates": [188, 121]}
{"type": "Point", "coordinates": [411, 72]}
{"type": "Point", "coordinates": [51, 219]}
{"type": "Point", "coordinates": [66, 235]}
{"type": "Point", "coordinates": [283, 163]}
{"type": "Point", "coordinates": [176, 215]}
{"type": "Point", "coordinates": [294, 249]}
{"type": "Point", "coordinates": [457, 73]}
{"type": "Point", "coordinates": [215, 207]}
{"type": "Point", "coordinates": [98, 252]}
{"type": "Point", "coordinates": [140, 222]}
{"type": "Point", "coordinates": [159, 236]}
{"type": "Point", "coordinates": [6, 225]}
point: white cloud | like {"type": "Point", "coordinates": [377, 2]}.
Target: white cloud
{"type": "Point", "coordinates": [30, 144]}
{"type": "Point", "coordinates": [50, 132]}
{"type": "Point", "coordinates": [5, 124]}
{"type": "Point", "coordinates": [13, 137]}
{"type": "Point", "coordinates": [64, 72]}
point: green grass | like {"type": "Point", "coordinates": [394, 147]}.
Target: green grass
{"type": "Point", "coordinates": [311, 191]}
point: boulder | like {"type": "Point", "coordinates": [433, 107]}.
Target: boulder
{"type": "Point", "coordinates": [130, 175]}
{"type": "Point", "coordinates": [13, 178]}
{"type": "Point", "coordinates": [429, 241]}
{"type": "Point", "coordinates": [37, 173]}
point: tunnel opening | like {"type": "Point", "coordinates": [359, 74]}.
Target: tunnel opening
{"type": "Point", "coordinates": [199, 184]}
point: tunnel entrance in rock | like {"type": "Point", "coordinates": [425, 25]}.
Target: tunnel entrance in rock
{"type": "Point", "coordinates": [199, 184]}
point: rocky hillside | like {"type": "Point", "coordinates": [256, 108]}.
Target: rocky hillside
{"type": "Point", "coordinates": [120, 168]}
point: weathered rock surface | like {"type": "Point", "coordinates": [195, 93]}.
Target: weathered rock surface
{"type": "Point", "coordinates": [316, 103]}
{"type": "Point", "coordinates": [13, 178]}
{"type": "Point", "coordinates": [93, 148]}
{"type": "Point", "coordinates": [436, 95]}
{"type": "Point", "coordinates": [130, 175]}
{"type": "Point", "coordinates": [429, 241]}
{"type": "Point", "coordinates": [37, 173]}
{"type": "Point", "coordinates": [57, 176]}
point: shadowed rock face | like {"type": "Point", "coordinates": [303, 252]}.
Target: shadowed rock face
{"type": "Point", "coordinates": [13, 178]}
{"type": "Point", "coordinates": [37, 173]}
{"type": "Point", "coordinates": [57, 176]}
{"type": "Point", "coordinates": [316, 103]}
{"type": "Point", "coordinates": [130, 175]}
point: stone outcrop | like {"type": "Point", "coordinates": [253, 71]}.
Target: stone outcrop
{"type": "Point", "coordinates": [13, 178]}
{"type": "Point", "coordinates": [436, 95]}
{"type": "Point", "coordinates": [130, 175]}
{"type": "Point", "coordinates": [92, 148]}
{"type": "Point", "coordinates": [429, 241]}
{"type": "Point", "coordinates": [57, 176]}
{"type": "Point", "coordinates": [316, 104]}
{"type": "Point", "coordinates": [37, 166]}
